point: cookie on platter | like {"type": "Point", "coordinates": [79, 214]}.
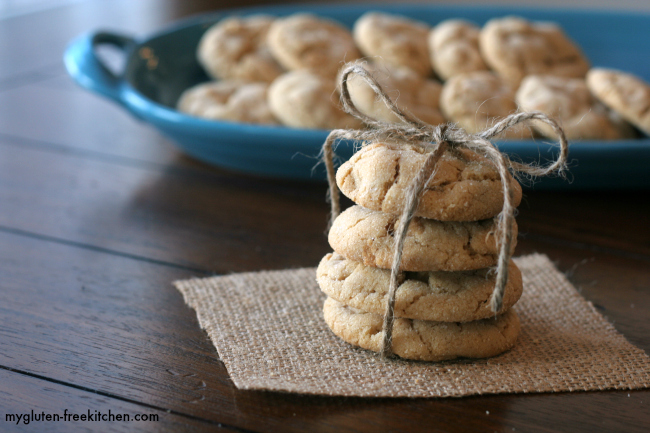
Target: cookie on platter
{"type": "Point", "coordinates": [305, 41]}
{"type": "Point", "coordinates": [453, 48]}
{"type": "Point", "coordinates": [624, 93]}
{"type": "Point", "coordinates": [228, 100]}
{"type": "Point", "coordinates": [302, 99]}
{"type": "Point", "coordinates": [569, 101]}
{"type": "Point", "coordinates": [476, 100]}
{"type": "Point", "coordinates": [515, 47]}
{"type": "Point", "coordinates": [411, 92]}
{"type": "Point", "coordinates": [394, 40]}
{"type": "Point", "coordinates": [235, 49]}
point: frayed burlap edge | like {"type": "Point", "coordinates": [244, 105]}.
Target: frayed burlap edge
{"type": "Point", "coordinates": [270, 334]}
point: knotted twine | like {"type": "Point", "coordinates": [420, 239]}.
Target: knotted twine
{"type": "Point", "coordinates": [435, 140]}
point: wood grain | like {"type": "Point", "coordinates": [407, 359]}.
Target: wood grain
{"type": "Point", "coordinates": [116, 325]}
{"type": "Point", "coordinates": [199, 220]}
{"type": "Point", "coordinates": [583, 218]}
{"type": "Point", "coordinates": [66, 121]}
{"type": "Point", "coordinates": [20, 394]}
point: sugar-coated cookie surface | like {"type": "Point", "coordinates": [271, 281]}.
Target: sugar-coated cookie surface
{"type": "Point", "coordinates": [460, 296]}
{"type": "Point", "coordinates": [569, 101]}
{"type": "Point", "coordinates": [624, 93]}
{"type": "Point", "coordinates": [235, 48]}
{"type": "Point", "coordinates": [453, 48]}
{"type": "Point", "coordinates": [228, 100]}
{"type": "Point", "coordinates": [395, 40]}
{"type": "Point", "coordinates": [305, 41]}
{"type": "Point", "coordinates": [424, 340]}
{"type": "Point", "coordinates": [515, 47]}
{"type": "Point", "coordinates": [476, 100]}
{"type": "Point", "coordinates": [465, 187]}
{"type": "Point", "coordinates": [302, 99]}
{"type": "Point", "coordinates": [368, 237]}
{"type": "Point", "coordinates": [410, 91]}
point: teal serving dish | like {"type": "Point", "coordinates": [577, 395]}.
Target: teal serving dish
{"type": "Point", "coordinates": [159, 67]}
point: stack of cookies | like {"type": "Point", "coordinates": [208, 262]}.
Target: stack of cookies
{"type": "Point", "coordinates": [442, 304]}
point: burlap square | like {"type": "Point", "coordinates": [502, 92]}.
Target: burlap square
{"type": "Point", "coordinates": [269, 332]}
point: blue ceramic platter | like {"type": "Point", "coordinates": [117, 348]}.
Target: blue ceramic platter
{"type": "Point", "coordinates": [159, 67]}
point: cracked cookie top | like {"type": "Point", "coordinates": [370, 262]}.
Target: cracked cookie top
{"type": "Point", "coordinates": [412, 93]}
{"type": "Point", "coordinates": [477, 100]}
{"type": "Point", "coordinates": [235, 49]}
{"type": "Point", "coordinates": [302, 99]}
{"type": "Point", "coordinates": [453, 48]}
{"type": "Point", "coordinates": [466, 187]}
{"type": "Point", "coordinates": [440, 296]}
{"type": "Point", "coordinates": [305, 41]}
{"type": "Point", "coordinates": [515, 47]}
{"type": "Point", "coordinates": [367, 236]}
{"type": "Point", "coordinates": [394, 40]}
{"type": "Point", "coordinates": [624, 93]}
{"type": "Point", "coordinates": [569, 101]}
{"type": "Point", "coordinates": [424, 340]}
{"type": "Point", "coordinates": [231, 100]}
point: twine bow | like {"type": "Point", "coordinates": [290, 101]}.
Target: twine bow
{"type": "Point", "coordinates": [435, 140]}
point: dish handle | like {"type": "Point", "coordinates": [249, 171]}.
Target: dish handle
{"type": "Point", "coordinates": [89, 71]}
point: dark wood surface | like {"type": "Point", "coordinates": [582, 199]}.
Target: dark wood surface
{"type": "Point", "coordinates": [99, 214]}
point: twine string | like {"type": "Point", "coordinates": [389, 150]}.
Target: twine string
{"type": "Point", "coordinates": [412, 201]}
{"type": "Point", "coordinates": [435, 140]}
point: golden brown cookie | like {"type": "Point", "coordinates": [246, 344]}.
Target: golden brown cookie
{"type": "Point", "coordinates": [515, 48]}
{"type": "Point", "coordinates": [394, 40]}
{"type": "Point", "coordinates": [228, 100]}
{"type": "Point", "coordinates": [465, 187]}
{"type": "Point", "coordinates": [301, 99]}
{"type": "Point", "coordinates": [304, 41]}
{"type": "Point", "coordinates": [424, 340]}
{"type": "Point", "coordinates": [453, 48]}
{"type": "Point", "coordinates": [477, 100]}
{"type": "Point", "coordinates": [368, 237]}
{"type": "Point", "coordinates": [461, 296]}
{"type": "Point", "coordinates": [411, 92]}
{"type": "Point", "coordinates": [569, 101]}
{"type": "Point", "coordinates": [235, 49]}
{"type": "Point", "coordinates": [624, 93]}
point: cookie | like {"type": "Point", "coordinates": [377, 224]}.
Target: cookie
{"type": "Point", "coordinates": [453, 48]}
{"type": "Point", "coordinates": [394, 40]}
{"type": "Point", "coordinates": [301, 99]}
{"type": "Point", "coordinates": [304, 41]}
{"type": "Point", "coordinates": [477, 100]}
{"type": "Point", "coordinates": [228, 100]}
{"type": "Point", "coordinates": [515, 48]}
{"type": "Point", "coordinates": [461, 296]}
{"type": "Point", "coordinates": [424, 340]}
{"type": "Point", "coordinates": [624, 93]}
{"type": "Point", "coordinates": [569, 101]}
{"type": "Point", "coordinates": [465, 186]}
{"type": "Point", "coordinates": [235, 49]}
{"type": "Point", "coordinates": [368, 236]}
{"type": "Point", "coordinates": [411, 92]}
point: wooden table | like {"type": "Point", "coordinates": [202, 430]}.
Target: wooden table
{"type": "Point", "coordinates": [99, 213]}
